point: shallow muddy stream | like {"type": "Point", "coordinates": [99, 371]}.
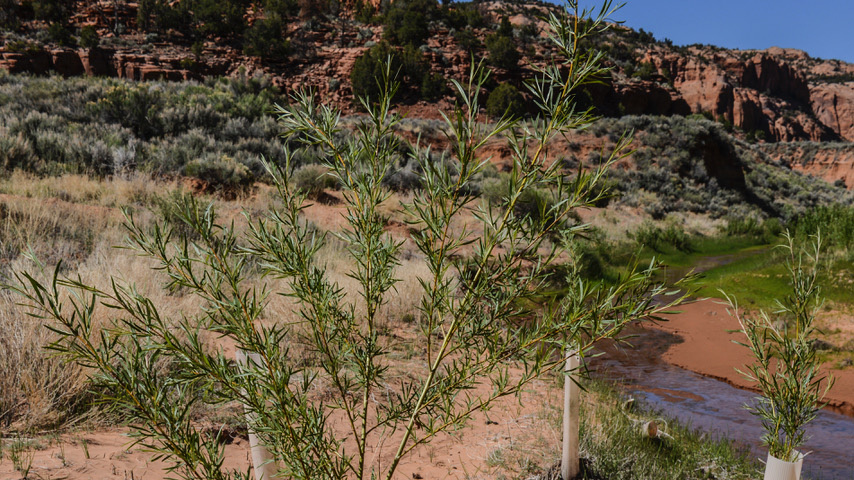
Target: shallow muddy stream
{"type": "Point", "coordinates": [717, 407]}
{"type": "Point", "coordinates": [713, 405]}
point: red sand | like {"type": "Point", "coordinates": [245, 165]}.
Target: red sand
{"type": "Point", "coordinates": [708, 349]}
{"type": "Point", "coordinates": [456, 456]}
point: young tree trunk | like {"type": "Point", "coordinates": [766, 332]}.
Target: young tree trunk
{"type": "Point", "coordinates": [570, 466]}
{"type": "Point", "coordinates": [262, 460]}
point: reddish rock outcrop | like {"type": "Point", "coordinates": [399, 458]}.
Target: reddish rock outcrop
{"type": "Point", "coordinates": [768, 74]}
{"type": "Point", "coordinates": [834, 162]}
{"type": "Point", "coordinates": [104, 62]}
{"type": "Point", "coordinates": [757, 92]}
{"type": "Point", "coordinates": [97, 62]}
{"type": "Point", "coordinates": [644, 97]}
{"type": "Point", "coordinates": [66, 62]}
{"type": "Point", "coordinates": [746, 108]}
{"type": "Point", "coordinates": [833, 105]}
{"type": "Point", "coordinates": [703, 86]}
{"type": "Point", "coordinates": [38, 63]}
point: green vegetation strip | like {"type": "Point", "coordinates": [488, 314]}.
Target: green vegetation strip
{"type": "Point", "coordinates": [616, 448]}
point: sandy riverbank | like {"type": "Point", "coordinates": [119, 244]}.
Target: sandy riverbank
{"type": "Point", "coordinates": [707, 348]}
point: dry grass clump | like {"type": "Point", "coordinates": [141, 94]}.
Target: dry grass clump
{"type": "Point", "coordinates": [57, 220]}
{"type": "Point", "coordinates": [75, 219]}
{"type": "Point", "coordinates": [37, 390]}
{"type": "Point", "coordinates": [53, 230]}
{"type": "Point", "coordinates": [133, 189]}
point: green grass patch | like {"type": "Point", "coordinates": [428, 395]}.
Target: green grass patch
{"type": "Point", "coordinates": [605, 261]}
{"type": "Point", "coordinates": [613, 447]}
{"type": "Point", "coordinates": [705, 246]}
{"type": "Point", "coordinates": [756, 280]}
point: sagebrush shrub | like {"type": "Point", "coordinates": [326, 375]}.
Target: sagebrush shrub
{"type": "Point", "coordinates": [313, 180]}
{"type": "Point", "coordinates": [221, 174]}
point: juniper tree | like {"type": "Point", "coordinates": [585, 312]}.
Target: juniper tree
{"type": "Point", "coordinates": [488, 315]}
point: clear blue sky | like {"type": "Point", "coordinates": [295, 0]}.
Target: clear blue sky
{"type": "Point", "coordinates": [822, 28]}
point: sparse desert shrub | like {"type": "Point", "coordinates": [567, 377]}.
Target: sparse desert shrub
{"type": "Point", "coordinates": [538, 205]}
{"type": "Point", "coordinates": [175, 120]}
{"type": "Point", "coordinates": [463, 16]}
{"type": "Point", "coordinates": [162, 16]}
{"type": "Point", "coordinates": [266, 39]}
{"type": "Point", "coordinates": [219, 18]}
{"type": "Point", "coordinates": [494, 189]}
{"type": "Point", "coordinates": [406, 22]}
{"type": "Point", "coordinates": [9, 15]}
{"type": "Point", "coordinates": [222, 174]}
{"type": "Point", "coordinates": [529, 31]}
{"type": "Point", "coordinates": [60, 33]}
{"type": "Point", "coordinates": [645, 71]}
{"type": "Point", "coordinates": [23, 46]}
{"type": "Point", "coordinates": [51, 10]}
{"type": "Point", "coordinates": [413, 65]}
{"type": "Point", "coordinates": [434, 86]}
{"type": "Point", "coordinates": [505, 28]}
{"type": "Point", "coordinates": [673, 161]}
{"type": "Point", "coordinates": [657, 239]}
{"type": "Point", "coordinates": [89, 38]}
{"type": "Point", "coordinates": [101, 127]}
{"type": "Point", "coordinates": [368, 71]}
{"type": "Point", "coordinates": [405, 176]}
{"type": "Point", "coordinates": [313, 180]}
{"type": "Point", "coordinates": [468, 40]}
{"type": "Point", "coordinates": [15, 152]}
{"type": "Point", "coordinates": [136, 107]}
{"type": "Point", "coordinates": [407, 67]}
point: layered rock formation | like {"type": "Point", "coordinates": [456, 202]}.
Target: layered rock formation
{"type": "Point", "coordinates": [110, 63]}
{"type": "Point", "coordinates": [833, 105]}
{"type": "Point", "coordinates": [834, 162]}
{"type": "Point", "coordinates": [755, 91]}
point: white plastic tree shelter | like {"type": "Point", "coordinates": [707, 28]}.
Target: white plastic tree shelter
{"type": "Point", "coordinates": [262, 459]}
{"type": "Point", "coordinates": [570, 465]}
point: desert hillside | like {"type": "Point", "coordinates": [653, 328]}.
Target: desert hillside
{"type": "Point", "coordinates": [770, 96]}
